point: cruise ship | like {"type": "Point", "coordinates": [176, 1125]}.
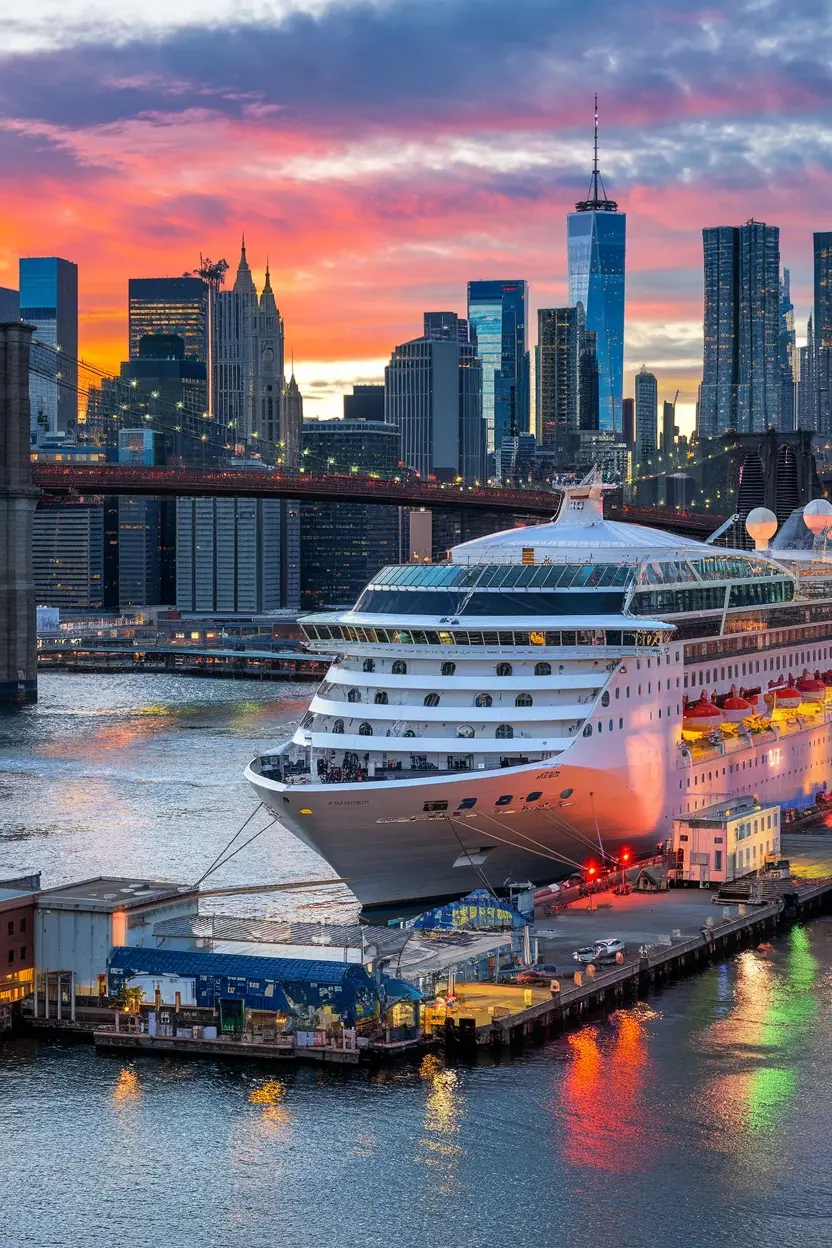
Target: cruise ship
{"type": "Point", "coordinates": [549, 696]}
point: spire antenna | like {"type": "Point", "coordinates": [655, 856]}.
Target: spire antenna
{"type": "Point", "coordinates": [597, 199]}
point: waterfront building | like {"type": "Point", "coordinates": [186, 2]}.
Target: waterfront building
{"type": "Point", "coordinates": [169, 305]}
{"type": "Point", "coordinates": [366, 401]}
{"type": "Point", "coordinates": [433, 395]}
{"type": "Point", "coordinates": [726, 841]}
{"type": "Point", "coordinates": [237, 554]}
{"type": "Point", "coordinates": [9, 304]}
{"type": "Point", "coordinates": [596, 244]}
{"type": "Point", "coordinates": [497, 318]}
{"type": "Point", "coordinates": [163, 379]}
{"type": "Point", "coordinates": [146, 535]}
{"type": "Point", "coordinates": [68, 556]}
{"type": "Point", "coordinates": [787, 356]}
{"type": "Point", "coordinates": [445, 327]}
{"type": "Point", "coordinates": [49, 301]}
{"type": "Point", "coordinates": [77, 925]}
{"type": "Point", "coordinates": [741, 373]}
{"type": "Point", "coordinates": [343, 544]}
{"type": "Point", "coordinates": [17, 942]}
{"type": "Point", "coordinates": [647, 413]}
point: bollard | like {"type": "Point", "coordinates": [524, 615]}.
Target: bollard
{"type": "Point", "coordinates": [578, 978]}
{"type": "Point", "coordinates": [590, 970]}
{"type": "Point", "coordinates": [619, 958]}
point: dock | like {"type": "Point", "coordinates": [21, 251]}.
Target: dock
{"type": "Point", "coordinates": [492, 1015]}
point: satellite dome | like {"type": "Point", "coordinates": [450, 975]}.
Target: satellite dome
{"type": "Point", "coordinates": [817, 516]}
{"type": "Point", "coordinates": [761, 525]}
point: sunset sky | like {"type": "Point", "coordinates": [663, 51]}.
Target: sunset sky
{"type": "Point", "coordinates": [382, 154]}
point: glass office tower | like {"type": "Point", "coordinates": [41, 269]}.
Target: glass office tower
{"type": "Point", "coordinates": [596, 242]}
{"type": "Point", "coordinates": [49, 301]}
{"type": "Point", "coordinates": [169, 305]}
{"type": "Point", "coordinates": [497, 313]}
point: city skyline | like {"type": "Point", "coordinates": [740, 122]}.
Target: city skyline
{"type": "Point", "coordinates": [380, 199]}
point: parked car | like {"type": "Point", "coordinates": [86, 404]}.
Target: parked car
{"type": "Point", "coordinates": [608, 948]}
{"type": "Point", "coordinates": [601, 951]}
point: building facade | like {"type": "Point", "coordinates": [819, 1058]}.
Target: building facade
{"type": "Point", "coordinates": [445, 327]}
{"type": "Point", "coordinates": [647, 414]}
{"type": "Point", "coordinates": [497, 320]}
{"type": "Point", "coordinates": [367, 401]}
{"type": "Point", "coordinates": [169, 305]}
{"type": "Point", "coordinates": [68, 556]}
{"type": "Point", "coordinates": [343, 544]}
{"type": "Point", "coordinates": [237, 554]}
{"type": "Point", "coordinates": [787, 356]}
{"type": "Point", "coordinates": [557, 407]}
{"type": "Point", "coordinates": [741, 371]}
{"type": "Point", "coordinates": [433, 395]}
{"type": "Point", "coordinates": [49, 301]}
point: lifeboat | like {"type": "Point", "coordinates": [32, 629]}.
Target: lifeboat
{"type": "Point", "coordinates": [810, 688]}
{"type": "Point", "coordinates": [736, 708]}
{"type": "Point", "coordinates": [701, 716]}
{"type": "Point", "coordinates": [826, 677]}
{"type": "Point", "coordinates": [783, 697]}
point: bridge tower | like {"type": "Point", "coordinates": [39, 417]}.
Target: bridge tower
{"type": "Point", "coordinates": [18, 497]}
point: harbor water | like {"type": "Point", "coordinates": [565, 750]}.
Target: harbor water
{"type": "Point", "coordinates": [699, 1118]}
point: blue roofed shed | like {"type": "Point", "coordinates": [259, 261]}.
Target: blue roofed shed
{"type": "Point", "coordinates": [292, 985]}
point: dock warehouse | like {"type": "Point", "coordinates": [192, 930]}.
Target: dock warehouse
{"type": "Point", "coordinates": [298, 986]}
{"type": "Point", "coordinates": [76, 925]}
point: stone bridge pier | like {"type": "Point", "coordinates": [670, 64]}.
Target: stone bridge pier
{"type": "Point", "coordinates": [18, 497]}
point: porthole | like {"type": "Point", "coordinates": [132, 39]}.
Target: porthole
{"type": "Point", "coordinates": [369, 665]}
{"type": "Point", "coordinates": [533, 797]}
{"type": "Point", "coordinates": [448, 669]}
{"type": "Point", "coordinates": [605, 698]}
{"type": "Point", "coordinates": [565, 793]}
{"type": "Point", "coordinates": [588, 730]}
{"type": "Point", "coordinates": [365, 730]}
{"type": "Point", "coordinates": [543, 669]}
{"type": "Point", "coordinates": [505, 800]}
{"type": "Point", "coordinates": [483, 699]}
{"type": "Point", "coordinates": [431, 699]}
{"type": "Point", "coordinates": [503, 669]}
{"type": "Point", "coordinates": [399, 668]}
{"type": "Point", "coordinates": [523, 699]}
{"type": "Point", "coordinates": [380, 698]}
{"type": "Point", "coordinates": [504, 732]}
{"type": "Point", "coordinates": [465, 730]}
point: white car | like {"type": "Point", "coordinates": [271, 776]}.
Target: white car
{"type": "Point", "coordinates": [607, 949]}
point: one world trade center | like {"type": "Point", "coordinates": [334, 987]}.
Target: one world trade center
{"type": "Point", "coordinates": [596, 238]}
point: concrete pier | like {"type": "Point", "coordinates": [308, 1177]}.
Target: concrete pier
{"type": "Point", "coordinates": [18, 497]}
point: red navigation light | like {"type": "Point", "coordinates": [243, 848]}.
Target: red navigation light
{"type": "Point", "coordinates": [590, 871]}
{"type": "Point", "coordinates": [625, 855]}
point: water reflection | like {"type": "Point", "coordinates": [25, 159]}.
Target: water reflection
{"type": "Point", "coordinates": [127, 1090]}
{"type": "Point", "coordinates": [600, 1105]}
{"type": "Point", "coordinates": [438, 1147]}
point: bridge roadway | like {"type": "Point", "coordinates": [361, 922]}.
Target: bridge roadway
{"type": "Point", "coordinates": [115, 479]}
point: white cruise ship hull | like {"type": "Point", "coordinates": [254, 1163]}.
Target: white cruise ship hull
{"type": "Point", "coordinates": [391, 852]}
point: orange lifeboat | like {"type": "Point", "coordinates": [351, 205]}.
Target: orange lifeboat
{"type": "Point", "coordinates": [701, 716]}
{"type": "Point", "coordinates": [784, 697]}
{"type": "Point", "coordinates": [810, 688]}
{"type": "Point", "coordinates": [735, 708]}
{"type": "Point", "coordinates": [754, 698]}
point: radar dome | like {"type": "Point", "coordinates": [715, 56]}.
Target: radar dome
{"type": "Point", "coordinates": [817, 516]}
{"type": "Point", "coordinates": [761, 525]}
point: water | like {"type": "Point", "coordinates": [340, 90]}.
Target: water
{"type": "Point", "coordinates": [702, 1118]}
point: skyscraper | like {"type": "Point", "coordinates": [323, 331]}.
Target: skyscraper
{"type": "Point", "coordinates": [433, 394]}
{"type": "Point", "coordinates": [596, 241]}
{"type": "Point", "coordinates": [49, 301]}
{"type": "Point", "coordinates": [787, 357]}
{"type": "Point", "coordinates": [366, 401]}
{"type": "Point", "coordinates": [821, 353]}
{"type": "Point", "coordinates": [237, 312]}
{"type": "Point", "coordinates": [497, 314]}
{"type": "Point", "coordinates": [270, 374]}
{"type": "Point", "coordinates": [445, 326]}
{"type": "Point", "coordinates": [231, 554]}
{"type": "Point", "coordinates": [741, 374]}
{"type": "Point", "coordinates": [588, 380]}
{"type": "Point", "coordinates": [628, 422]}
{"type": "Point", "coordinates": [169, 305]}
{"type": "Point", "coordinates": [557, 344]}
{"type": "Point", "coordinates": [647, 413]}
{"type": "Point", "coordinates": [668, 427]}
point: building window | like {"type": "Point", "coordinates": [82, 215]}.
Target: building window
{"type": "Point", "coordinates": [365, 730]}
{"type": "Point", "coordinates": [399, 668]}
{"type": "Point", "coordinates": [380, 698]}
{"type": "Point", "coordinates": [22, 953]}
{"type": "Point", "coordinates": [448, 669]}
{"type": "Point", "coordinates": [431, 699]}
{"type": "Point", "coordinates": [523, 699]}
{"type": "Point", "coordinates": [353, 696]}
{"type": "Point", "coordinates": [21, 927]}
{"type": "Point", "coordinates": [543, 669]}
{"type": "Point", "coordinates": [11, 927]}
{"type": "Point", "coordinates": [483, 699]}
{"type": "Point", "coordinates": [504, 732]}
{"type": "Point", "coordinates": [465, 730]}
{"type": "Point", "coordinates": [338, 726]}
{"type": "Point", "coordinates": [369, 665]}
{"type": "Point", "coordinates": [717, 860]}
{"type": "Point", "coordinates": [11, 957]}
{"type": "Point", "coordinates": [503, 669]}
